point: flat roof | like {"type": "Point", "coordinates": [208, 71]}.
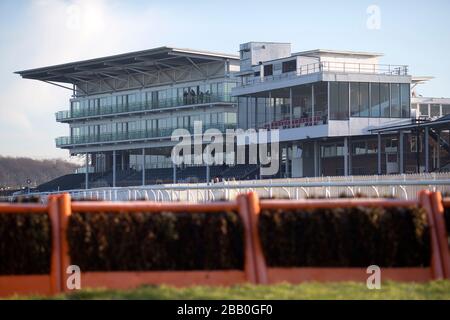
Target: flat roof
{"type": "Point", "coordinates": [137, 61]}
{"type": "Point", "coordinates": [317, 52]}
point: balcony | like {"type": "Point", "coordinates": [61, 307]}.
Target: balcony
{"type": "Point", "coordinates": [336, 67]}
{"type": "Point", "coordinates": [66, 115]}
{"type": "Point", "coordinates": [130, 136]}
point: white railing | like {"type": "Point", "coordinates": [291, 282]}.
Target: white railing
{"type": "Point", "coordinates": [327, 66]}
{"type": "Point", "coordinates": [400, 186]}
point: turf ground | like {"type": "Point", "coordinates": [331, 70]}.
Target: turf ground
{"type": "Point", "coordinates": [309, 291]}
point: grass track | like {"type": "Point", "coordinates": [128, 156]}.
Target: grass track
{"type": "Point", "coordinates": [309, 291]}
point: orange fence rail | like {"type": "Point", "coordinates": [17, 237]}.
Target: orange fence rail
{"type": "Point", "coordinates": [123, 280]}
{"type": "Point", "coordinates": [439, 210]}
{"type": "Point", "coordinates": [45, 284]}
{"type": "Point", "coordinates": [59, 208]}
{"type": "Point", "coordinates": [270, 275]}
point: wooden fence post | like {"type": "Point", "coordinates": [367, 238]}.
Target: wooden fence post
{"type": "Point", "coordinates": [249, 266]}
{"type": "Point", "coordinates": [55, 264]}
{"type": "Point", "coordinates": [441, 232]}
{"type": "Point", "coordinates": [260, 262]}
{"type": "Point", "coordinates": [436, 263]}
{"type": "Point", "coordinates": [65, 210]}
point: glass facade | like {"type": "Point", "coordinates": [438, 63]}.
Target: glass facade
{"type": "Point", "coordinates": [314, 104]}
{"type": "Point", "coordinates": [147, 100]}
{"type": "Point", "coordinates": [339, 99]}
{"type": "Point", "coordinates": [147, 128]}
{"type": "Point", "coordinates": [359, 98]}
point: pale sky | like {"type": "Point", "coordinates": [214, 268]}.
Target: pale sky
{"type": "Point", "coordinates": [46, 32]}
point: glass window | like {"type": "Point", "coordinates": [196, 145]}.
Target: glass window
{"type": "Point", "coordinates": [230, 118]}
{"type": "Point", "coordinates": [268, 70]}
{"type": "Point", "coordinates": [154, 99]}
{"type": "Point", "coordinates": [423, 108]}
{"type": "Point", "coordinates": [75, 107]}
{"type": "Point", "coordinates": [435, 110]}
{"type": "Point", "coordinates": [384, 100]}
{"type": "Point", "coordinates": [302, 101]}
{"type": "Point", "coordinates": [359, 99]}
{"type": "Point", "coordinates": [354, 99]}
{"type": "Point", "coordinates": [375, 100]}
{"type": "Point", "coordinates": [359, 148]}
{"type": "Point", "coordinates": [405, 100]}
{"type": "Point", "coordinates": [445, 109]}
{"type": "Point", "coordinates": [321, 101]}
{"type": "Point", "coordinates": [372, 147]}
{"type": "Point", "coordinates": [289, 66]}
{"type": "Point", "coordinates": [340, 150]}
{"type": "Point", "coordinates": [328, 151]}
{"type": "Point", "coordinates": [395, 100]}
{"type": "Point", "coordinates": [339, 100]}
{"type": "Point", "coordinates": [364, 99]}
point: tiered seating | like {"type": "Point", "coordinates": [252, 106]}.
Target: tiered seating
{"type": "Point", "coordinates": [131, 177]}
{"type": "Point", "coordinates": [66, 182]}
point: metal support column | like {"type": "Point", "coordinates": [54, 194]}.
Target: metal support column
{"type": "Point", "coordinates": [316, 160]}
{"type": "Point", "coordinates": [291, 114]}
{"type": "Point", "coordinates": [86, 174]}
{"type": "Point", "coordinates": [427, 151]}
{"type": "Point", "coordinates": [114, 168]}
{"type": "Point", "coordinates": [174, 173]}
{"type": "Point", "coordinates": [438, 151]}
{"type": "Point", "coordinates": [208, 174]}
{"type": "Point", "coordinates": [349, 154]}
{"type": "Point", "coordinates": [143, 166]}
{"type": "Point", "coordinates": [379, 154]}
{"type": "Point", "coordinates": [401, 147]}
{"type": "Point", "coordinates": [345, 156]}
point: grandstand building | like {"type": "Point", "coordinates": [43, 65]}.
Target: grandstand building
{"type": "Point", "coordinates": [341, 112]}
{"type": "Point", "coordinates": [338, 112]}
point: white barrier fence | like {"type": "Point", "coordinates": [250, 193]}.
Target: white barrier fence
{"type": "Point", "coordinates": [398, 186]}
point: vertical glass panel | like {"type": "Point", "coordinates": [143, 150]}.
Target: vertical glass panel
{"type": "Point", "coordinates": [395, 100]}
{"type": "Point", "coordinates": [339, 101]}
{"type": "Point", "coordinates": [242, 111]}
{"type": "Point", "coordinates": [435, 110]}
{"type": "Point", "coordinates": [302, 101]}
{"type": "Point", "coordinates": [423, 108]}
{"type": "Point", "coordinates": [384, 100]}
{"type": "Point", "coordinates": [364, 99]}
{"type": "Point", "coordinates": [334, 101]}
{"type": "Point", "coordinates": [405, 100]}
{"type": "Point", "coordinates": [321, 102]}
{"type": "Point", "coordinates": [343, 100]}
{"type": "Point", "coordinates": [445, 109]}
{"type": "Point", "coordinates": [375, 100]}
{"type": "Point", "coordinates": [354, 99]}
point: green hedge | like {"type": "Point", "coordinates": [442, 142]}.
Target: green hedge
{"type": "Point", "coordinates": [356, 237]}
{"type": "Point", "coordinates": [156, 241]}
{"type": "Point", "coordinates": [25, 243]}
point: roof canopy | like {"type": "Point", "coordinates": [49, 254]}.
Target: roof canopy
{"type": "Point", "coordinates": [133, 62]}
{"type": "Point", "coordinates": [441, 123]}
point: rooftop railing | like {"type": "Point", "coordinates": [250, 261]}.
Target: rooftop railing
{"type": "Point", "coordinates": [338, 67]}
{"type": "Point", "coordinates": [131, 135]}
{"type": "Point", "coordinates": [143, 106]}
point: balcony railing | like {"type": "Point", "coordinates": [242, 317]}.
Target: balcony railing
{"type": "Point", "coordinates": [143, 106]}
{"type": "Point", "coordinates": [343, 67]}
{"type": "Point", "coordinates": [132, 135]}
